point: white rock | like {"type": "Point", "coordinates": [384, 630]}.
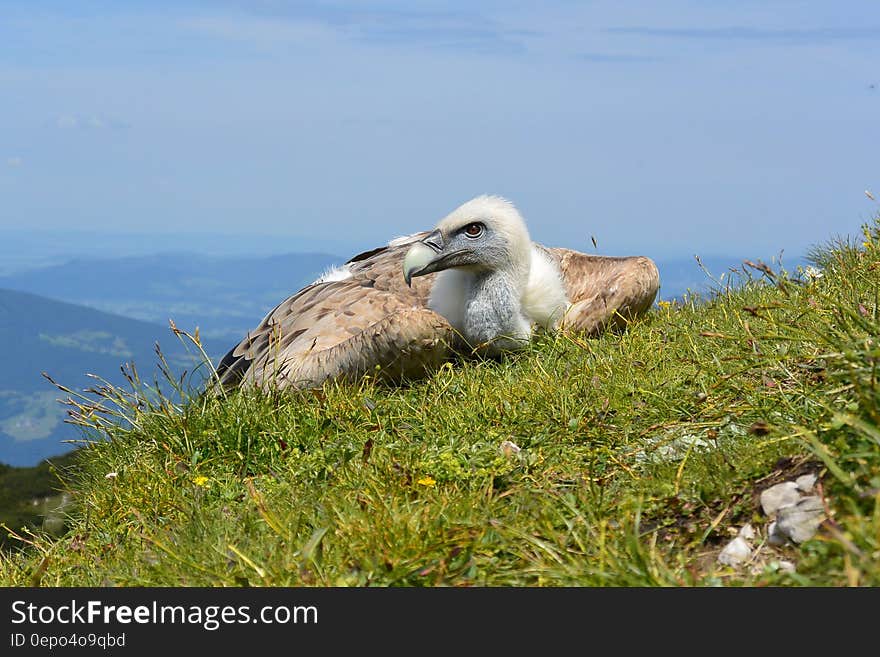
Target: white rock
{"type": "Point", "coordinates": [778, 496]}
{"type": "Point", "coordinates": [786, 566]}
{"type": "Point", "coordinates": [805, 482]}
{"type": "Point", "coordinates": [774, 537]}
{"type": "Point", "coordinates": [800, 522]}
{"type": "Point", "coordinates": [747, 532]}
{"type": "Point", "coordinates": [735, 553]}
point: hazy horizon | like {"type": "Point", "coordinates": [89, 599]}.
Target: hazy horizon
{"type": "Point", "coordinates": [260, 244]}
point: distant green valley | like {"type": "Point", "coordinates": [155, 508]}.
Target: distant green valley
{"type": "Point", "coordinates": [68, 342]}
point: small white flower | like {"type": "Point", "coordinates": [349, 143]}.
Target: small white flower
{"type": "Point", "coordinates": [813, 273]}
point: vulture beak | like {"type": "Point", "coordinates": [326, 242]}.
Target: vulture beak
{"type": "Point", "coordinates": [422, 257]}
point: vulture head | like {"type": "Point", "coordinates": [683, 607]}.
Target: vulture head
{"type": "Point", "coordinates": [494, 285]}
{"type": "Point", "coordinates": [484, 235]}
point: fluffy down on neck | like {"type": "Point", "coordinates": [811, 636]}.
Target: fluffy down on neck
{"type": "Point", "coordinates": [543, 300]}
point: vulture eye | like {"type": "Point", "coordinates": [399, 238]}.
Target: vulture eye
{"type": "Point", "coordinates": [473, 230]}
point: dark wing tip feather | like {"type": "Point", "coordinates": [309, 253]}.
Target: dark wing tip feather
{"type": "Point", "coordinates": [231, 368]}
{"type": "Point", "coordinates": [367, 254]}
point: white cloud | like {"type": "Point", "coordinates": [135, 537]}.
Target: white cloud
{"type": "Point", "coordinates": [394, 28]}
{"type": "Point", "coordinates": [87, 122]}
{"type": "Point", "coordinates": [66, 121]}
{"type": "Point", "coordinates": [14, 161]}
{"type": "Point", "coordinates": [261, 31]}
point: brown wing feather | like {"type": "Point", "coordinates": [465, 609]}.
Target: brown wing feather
{"type": "Point", "coordinates": [605, 290]}
{"type": "Point", "coordinates": [344, 329]}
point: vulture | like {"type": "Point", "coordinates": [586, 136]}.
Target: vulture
{"type": "Point", "coordinates": [476, 284]}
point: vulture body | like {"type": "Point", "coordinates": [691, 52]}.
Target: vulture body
{"type": "Point", "coordinates": [474, 284]}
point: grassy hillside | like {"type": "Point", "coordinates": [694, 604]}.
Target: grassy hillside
{"type": "Point", "coordinates": [34, 497]}
{"type": "Point", "coordinates": [640, 455]}
{"type": "Point", "coordinates": [67, 341]}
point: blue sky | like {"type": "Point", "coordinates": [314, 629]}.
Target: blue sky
{"type": "Point", "coordinates": [671, 128]}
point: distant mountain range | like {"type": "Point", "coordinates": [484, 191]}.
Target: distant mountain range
{"type": "Point", "coordinates": [91, 315]}
{"type": "Point", "coordinates": [22, 248]}
{"type": "Point", "coordinates": [223, 296]}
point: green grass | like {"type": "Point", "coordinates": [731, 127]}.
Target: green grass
{"type": "Point", "coordinates": [641, 455]}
